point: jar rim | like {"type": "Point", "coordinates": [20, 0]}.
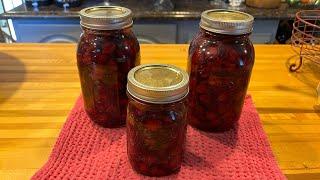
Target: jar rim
{"type": "Point", "coordinates": [229, 22]}
{"type": "Point", "coordinates": [106, 17]}
{"type": "Point", "coordinates": [158, 83]}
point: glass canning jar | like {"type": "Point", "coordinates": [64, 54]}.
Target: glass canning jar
{"type": "Point", "coordinates": [107, 51]}
{"type": "Point", "coordinates": [156, 119]}
{"type": "Point", "coordinates": [221, 57]}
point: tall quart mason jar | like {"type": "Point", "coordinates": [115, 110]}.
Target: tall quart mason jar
{"type": "Point", "coordinates": [107, 51]}
{"type": "Point", "coordinates": [221, 58]}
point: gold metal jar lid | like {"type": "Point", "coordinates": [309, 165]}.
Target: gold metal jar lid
{"type": "Point", "coordinates": [226, 22]}
{"type": "Point", "coordinates": [158, 83]}
{"type": "Point", "coordinates": [106, 17]}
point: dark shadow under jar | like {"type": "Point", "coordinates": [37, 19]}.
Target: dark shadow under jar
{"type": "Point", "coordinates": [156, 119]}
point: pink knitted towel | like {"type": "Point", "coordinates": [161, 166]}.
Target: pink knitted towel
{"type": "Point", "coordinates": [87, 151]}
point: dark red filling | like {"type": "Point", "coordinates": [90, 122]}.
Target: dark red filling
{"type": "Point", "coordinates": [220, 69]}
{"type": "Point", "coordinates": [156, 137]}
{"type": "Point", "coordinates": [104, 60]}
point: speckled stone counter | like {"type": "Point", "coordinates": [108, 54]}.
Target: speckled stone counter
{"type": "Point", "coordinates": [146, 9]}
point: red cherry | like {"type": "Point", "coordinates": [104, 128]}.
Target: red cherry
{"type": "Point", "coordinates": [108, 48]}
{"type": "Point", "coordinates": [223, 97]}
{"type": "Point", "coordinates": [149, 142]}
{"type": "Point", "coordinates": [211, 52]}
{"type": "Point", "coordinates": [174, 164]}
{"type": "Point", "coordinates": [143, 167]}
{"type": "Point", "coordinates": [157, 171]}
{"type": "Point", "coordinates": [196, 57]}
{"type": "Point", "coordinates": [98, 73]}
{"type": "Point", "coordinates": [202, 88]}
{"type": "Point", "coordinates": [192, 82]}
{"type": "Point", "coordinates": [225, 107]}
{"type": "Point", "coordinates": [169, 118]}
{"type": "Point", "coordinates": [228, 120]}
{"type": "Point", "coordinates": [84, 58]}
{"type": "Point", "coordinates": [123, 102]}
{"type": "Point", "coordinates": [151, 159]}
{"type": "Point", "coordinates": [152, 125]}
{"type": "Point", "coordinates": [213, 117]}
{"type": "Point", "coordinates": [200, 111]}
{"type": "Point", "coordinates": [205, 100]}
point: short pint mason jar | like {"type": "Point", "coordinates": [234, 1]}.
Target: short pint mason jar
{"type": "Point", "coordinates": [221, 57]}
{"type": "Point", "coordinates": [156, 119]}
{"type": "Point", "coordinates": [107, 51]}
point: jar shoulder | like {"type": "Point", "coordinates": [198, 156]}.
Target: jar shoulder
{"type": "Point", "coordinates": [99, 41]}
{"type": "Point", "coordinates": [205, 48]}
{"type": "Point", "coordinates": [167, 114]}
{"type": "Point", "coordinates": [119, 46]}
{"type": "Point", "coordinates": [205, 40]}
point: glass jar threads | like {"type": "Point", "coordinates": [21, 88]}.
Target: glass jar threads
{"type": "Point", "coordinates": [107, 50]}
{"type": "Point", "coordinates": [156, 119]}
{"type": "Point", "coordinates": [221, 57]}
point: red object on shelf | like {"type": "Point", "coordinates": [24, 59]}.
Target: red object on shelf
{"type": "Point", "coordinates": [86, 151]}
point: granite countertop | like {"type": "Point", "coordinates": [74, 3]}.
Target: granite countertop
{"type": "Point", "coordinates": [146, 9]}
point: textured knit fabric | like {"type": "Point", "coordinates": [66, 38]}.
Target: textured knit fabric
{"type": "Point", "coordinates": [86, 151]}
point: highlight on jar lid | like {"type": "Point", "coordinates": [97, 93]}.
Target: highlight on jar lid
{"type": "Point", "coordinates": [106, 17]}
{"type": "Point", "coordinates": [227, 22]}
{"type": "Point", "coordinates": [158, 83]}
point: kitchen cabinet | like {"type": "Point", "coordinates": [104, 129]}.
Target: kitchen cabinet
{"type": "Point", "coordinates": [176, 24]}
{"type": "Point", "coordinates": [147, 31]}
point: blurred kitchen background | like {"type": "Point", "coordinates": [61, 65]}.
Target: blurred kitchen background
{"type": "Point", "coordinates": [155, 21]}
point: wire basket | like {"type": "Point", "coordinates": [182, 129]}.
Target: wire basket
{"type": "Point", "coordinates": [305, 37]}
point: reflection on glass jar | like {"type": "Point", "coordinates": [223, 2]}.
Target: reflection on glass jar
{"type": "Point", "coordinates": [106, 53]}
{"type": "Point", "coordinates": [221, 57]}
{"type": "Point", "coordinates": [156, 120]}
